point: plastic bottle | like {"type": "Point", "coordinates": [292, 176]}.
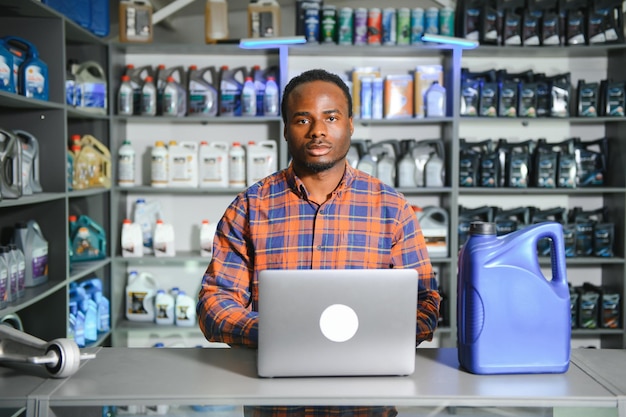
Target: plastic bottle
{"type": "Point", "coordinates": [231, 84]}
{"type": "Point", "coordinates": [18, 257]}
{"type": "Point", "coordinates": [11, 274]}
{"type": "Point", "coordinates": [148, 97]}
{"type": "Point", "coordinates": [203, 96]}
{"type": "Point", "coordinates": [11, 163]}
{"type": "Point", "coordinates": [164, 240]}
{"type": "Point", "coordinates": [7, 80]}
{"type": "Point", "coordinates": [132, 239]}
{"type": "Point", "coordinates": [185, 310]}
{"type": "Point", "coordinates": [261, 160]}
{"type": "Point", "coordinates": [126, 165]}
{"type": "Point", "coordinates": [32, 74]}
{"type": "Point", "coordinates": [213, 164]}
{"type": "Point", "coordinates": [406, 171]}
{"type": "Point", "coordinates": [435, 225]}
{"type": "Point", "coordinates": [497, 276]}
{"type": "Point", "coordinates": [92, 80]}
{"type": "Point", "coordinates": [271, 98]}
{"type": "Point", "coordinates": [88, 241]}
{"type": "Point", "coordinates": [263, 19]}
{"type": "Point", "coordinates": [140, 292]}
{"type": "Point", "coordinates": [174, 99]}
{"type": "Point", "coordinates": [5, 284]}
{"type": "Point", "coordinates": [125, 97]}
{"type": "Point", "coordinates": [435, 100]}
{"type": "Point", "coordinates": [164, 307]}
{"type": "Point", "coordinates": [248, 98]}
{"type": "Point", "coordinates": [29, 238]}
{"type": "Point", "coordinates": [183, 164]}
{"type": "Point", "coordinates": [146, 214]}
{"type": "Point", "coordinates": [159, 176]}
{"type": "Point", "coordinates": [207, 233]}
{"type": "Point", "coordinates": [135, 17]}
{"type": "Point", "coordinates": [30, 162]}
{"type": "Point", "coordinates": [215, 20]}
{"type": "Point", "coordinates": [237, 165]}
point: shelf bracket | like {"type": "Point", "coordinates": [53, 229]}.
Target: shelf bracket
{"type": "Point", "coordinates": [170, 9]}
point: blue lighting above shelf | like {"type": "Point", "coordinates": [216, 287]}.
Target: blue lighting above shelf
{"type": "Point", "coordinates": [450, 40]}
{"type": "Point", "coordinates": [263, 43]}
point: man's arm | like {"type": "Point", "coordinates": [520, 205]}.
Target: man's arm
{"type": "Point", "coordinates": [225, 299]}
{"type": "Point", "coordinates": [410, 251]}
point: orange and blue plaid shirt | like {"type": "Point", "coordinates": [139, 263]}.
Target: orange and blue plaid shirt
{"type": "Point", "coordinates": [273, 225]}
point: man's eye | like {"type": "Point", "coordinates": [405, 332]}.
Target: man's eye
{"type": "Point", "coordinates": [302, 121]}
{"type": "Point", "coordinates": [332, 118]}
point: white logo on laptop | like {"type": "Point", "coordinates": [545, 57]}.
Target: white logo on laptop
{"type": "Point", "coordinates": [339, 323]}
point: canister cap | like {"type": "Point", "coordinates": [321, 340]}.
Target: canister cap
{"type": "Point", "coordinates": [482, 228]}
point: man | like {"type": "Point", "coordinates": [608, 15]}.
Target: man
{"type": "Point", "coordinates": [318, 213]}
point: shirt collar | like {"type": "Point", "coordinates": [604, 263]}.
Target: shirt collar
{"type": "Point", "coordinates": [298, 187]}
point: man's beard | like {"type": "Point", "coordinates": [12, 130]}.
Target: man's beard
{"type": "Point", "coordinates": [316, 168]}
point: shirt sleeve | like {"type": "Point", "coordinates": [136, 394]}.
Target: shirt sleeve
{"type": "Point", "coordinates": [409, 251]}
{"type": "Point", "coordinates": [224, 307]}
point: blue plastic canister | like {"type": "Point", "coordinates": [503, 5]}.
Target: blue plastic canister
{"type": "Point", "coordinates": [30, 71]}
{"type": "Point", "coordinates": [7, 81]}
{"type": "Point", "coordinates": [511, 318]}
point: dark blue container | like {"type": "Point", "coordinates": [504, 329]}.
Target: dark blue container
{"type": "Point", "coordinates": [511, 318]}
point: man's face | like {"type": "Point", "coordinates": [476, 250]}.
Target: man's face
{"type": "Point", "coordinates": [318, 128]}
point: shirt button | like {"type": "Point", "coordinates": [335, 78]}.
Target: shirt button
{"type": "Point", "coordinates": [319, 247]}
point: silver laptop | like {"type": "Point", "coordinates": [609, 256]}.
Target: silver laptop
{"type": "Point", "coordinates": [337, 322]}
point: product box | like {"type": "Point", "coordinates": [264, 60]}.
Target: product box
{"type": "Point", "coordinates": [398, 96]}
{"type": "Point", "coordinates": [424, 77]}
{"type": "Point", "coordinates": [357, 73]}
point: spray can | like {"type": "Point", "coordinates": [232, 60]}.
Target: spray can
{"type": "Point", "coordinates": [203, 93]}
{"type": "Point", "coordinates": [345, 32]}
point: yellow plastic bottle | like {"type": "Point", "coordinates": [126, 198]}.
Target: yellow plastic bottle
{"type": "Point", "coordinates": [263, 19]}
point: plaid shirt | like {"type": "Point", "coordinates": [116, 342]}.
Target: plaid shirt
{"type": "Point", "coordinates": [273, 225]}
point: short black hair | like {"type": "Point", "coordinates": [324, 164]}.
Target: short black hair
{"type": "Point", "coordinates": [314, 75]}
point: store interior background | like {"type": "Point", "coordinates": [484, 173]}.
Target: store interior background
{"type": "Point", "coordinates": [186, 27]}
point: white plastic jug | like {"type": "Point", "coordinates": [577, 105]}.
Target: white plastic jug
{"type": "Point", "coordinates": [164, 305]}
{"type": "Point", "coordinates": [140, 292]}
{"type": "Point", "coordinates": [213, 164]}
{"type": "Point", "coordinates": [261, 160]}
{"type": "Point", "coordinates": [185, 310]}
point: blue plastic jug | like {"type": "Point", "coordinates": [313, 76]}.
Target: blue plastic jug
{"type": "Point", "coordinates": [30, 71]}
{"type": "Point", "coordinates": [511, 318]}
